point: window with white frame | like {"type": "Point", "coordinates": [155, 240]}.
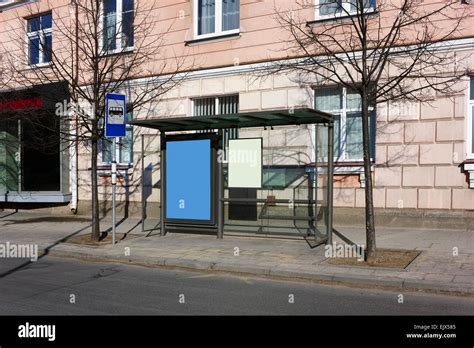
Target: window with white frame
{"type": "Point", "coordinates": [222, 105]}
{"type": "Point", "coordinates": [216, 17]}
{"type": "Point", "coordinates": [124, 149]}
{"type": "Point", "coordinates": [118, 31]}
{"type": "Point", "coordinates": [40, 39]}
{"type": "Point", "coordinates": [340, 8]}
{"type": "Point", "coordinates": [345, 105]}
{"type": "Point", "coordinates": [470, 146]}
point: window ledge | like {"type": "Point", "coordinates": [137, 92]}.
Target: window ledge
{"type": "Point", "coordinates": [35, 197]}
{"type": "Point", "coordinates": [117, 52]}
{"type": "Point", "coordinates": [212, 39]}
{"type": "Point", "coordinates": [336, 18]}
{"type": "Point", "coordinates": [38, 66]}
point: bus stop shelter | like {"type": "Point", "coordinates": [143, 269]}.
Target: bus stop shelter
{"type": "Point", "coordinates": [194, 173]}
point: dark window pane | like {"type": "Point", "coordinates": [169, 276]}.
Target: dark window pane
{"type": "Point", "coordinates": [365, 3]}
{"type": "Point", "coordinates": [471, 87]}
{"type": "Point", "coordinates": [34, 24]}
{"type": "Point", "coordinates": [126, 147]}
{"type": "Point", "coordinates": [230, 14]}
{"type": "Point", "coordinates": [354, 146]}
{"type": "Point", "coordinates": [129, 114]}
{"type": "Point", "coordinates": [40, 153]}
{"type": "Point", "coordinates": [353, 100]}
{"type": "Point", "coordinates": [127, 5]}
{"type": "Point", "coordinates": [47, 48]}
{"type": "Point", "coordinates": [472, 128]}
{"type": "Point", "coordinates": [46, 21]}
{"type": "Point", "coordinates": [204, 107]}
{"type": "Point", "coordinates": [109, 37]}
{"type": "Point", "coordinates": [228, 105]}
{"type": "Point", "coordinates": [107, 150]}
{"type": "Point", "coordinates": [337, 137]}
{"type": "Point", "coordinates": [329, 7]}
{"type": "Point", "coordinates": [34, 50]}
{"type": "Point", "coordinates": [109, 25]}
{"type": "Point", "coordinates": [322, 136]}
{"type": "Point", "coordinates": [110, 6]}
{"type": "Point", "coordinates": [372, 133]}
{"type": "Point", "coordinates": [206, 16]}
{"type": "Point", "coordinates": [328, 99]}
{"type": "Point", "coordinates": [9, 145]}
{"type": "Point", "coordinates": [127, 29]}
{"type": "Point", "coordinates": [354, 136]}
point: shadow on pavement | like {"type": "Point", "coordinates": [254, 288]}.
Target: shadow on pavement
{"type": "Point", "coordinates": [57, 219]}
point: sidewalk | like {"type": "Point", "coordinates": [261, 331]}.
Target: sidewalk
{"type": "Point", "coordinates": [435, 270]}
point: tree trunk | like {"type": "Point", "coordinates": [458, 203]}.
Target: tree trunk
{"type": "Point", "coordinates": [95, 193]}
{"type": "Point", "coordinates": [369, 202]}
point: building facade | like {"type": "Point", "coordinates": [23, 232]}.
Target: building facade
{"type": "Point", "coordinates": [423, 153]}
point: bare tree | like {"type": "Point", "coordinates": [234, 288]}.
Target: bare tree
{"type": "Point", "coordinates": [384, 50]}
{"type": "Point", "coordinates": [96, 53]}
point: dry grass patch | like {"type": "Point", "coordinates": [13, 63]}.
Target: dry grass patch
{"type": "Point", "coordinates": [105, 239]}
{"type": "Point", "coordinates": [387, 258]}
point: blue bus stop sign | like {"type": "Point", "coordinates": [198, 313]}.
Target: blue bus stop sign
{"type": "Point", "coordinates": [115, 111]}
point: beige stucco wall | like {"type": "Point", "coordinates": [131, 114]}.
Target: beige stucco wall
{"type": "Point", "coordinates": [261, 36]}
{"type": "Point", "coordinates": [418, 147]}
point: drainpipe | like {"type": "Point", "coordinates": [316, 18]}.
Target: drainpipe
{"type": "Point", "coordinates": [75, 148]}
{"type": "Point", "coordinates": [73, 170]}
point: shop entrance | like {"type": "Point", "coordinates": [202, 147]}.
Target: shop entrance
{"type": "Point", "coordinates": [33, 160]}
{"type": "Point", "coordinates": [40, 154]}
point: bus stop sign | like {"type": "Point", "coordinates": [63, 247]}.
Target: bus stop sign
{"type": "Point", "coordinates": [115, 110]}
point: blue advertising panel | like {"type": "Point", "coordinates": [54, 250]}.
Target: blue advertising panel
{"type": "Point", "coordinates": [115, 111]}
{"type": "Point", "coordinates": [188, 180]}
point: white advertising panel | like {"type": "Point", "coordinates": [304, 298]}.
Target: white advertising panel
{"type": "Point", "coordinates": [245, 163]}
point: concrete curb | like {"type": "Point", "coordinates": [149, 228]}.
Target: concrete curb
{"type": "Point", "coordinates": [323, 276]}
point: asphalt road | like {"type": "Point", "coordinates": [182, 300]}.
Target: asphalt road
{"type": "Point", "coordinates": [48, 287]}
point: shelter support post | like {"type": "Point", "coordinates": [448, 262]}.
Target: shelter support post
{"type": "Point", "coordinates": [220, 199]}
{"type": "Point", "coordinates": [330, 179]}
{"type": "Point", "coordinates": [315, 185]}
{"type": "Point", "coordinates": [143, 184]}
{"type": "Point", "coordinates": [162, 185]}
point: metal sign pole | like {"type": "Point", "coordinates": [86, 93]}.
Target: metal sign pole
{"type": "Point", "coordinates": [114, 185]}
{"type": "Point", "coordinates": [115, 126]}
{"type": "Point", "coordinates": [143, 184]}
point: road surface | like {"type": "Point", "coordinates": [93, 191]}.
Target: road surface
{"type": "Point", "coordinates": [54, 286]}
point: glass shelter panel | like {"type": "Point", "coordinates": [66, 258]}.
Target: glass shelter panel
{"type": "Point", "coordinates": [292, 200]}
{"type": "Point", "coordinates": [9, 156]}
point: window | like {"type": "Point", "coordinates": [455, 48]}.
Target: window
{"type": "Point", "coordinates": [118, 32]}
{"type": "Point", "coordinates": [216, 17]}
{"type": "Point", "coordinates": [345, 105]}
{"type": "Point", "coordinates": [340, 8]}
{"type": "Point", "coordinates": [124, 149]}
{"type": "Point", "coordinates": [40, 39]}
{"type": "Point", "coordinates": [470, 150]}
{"type": "Point", "coordinates": [223, 105]}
